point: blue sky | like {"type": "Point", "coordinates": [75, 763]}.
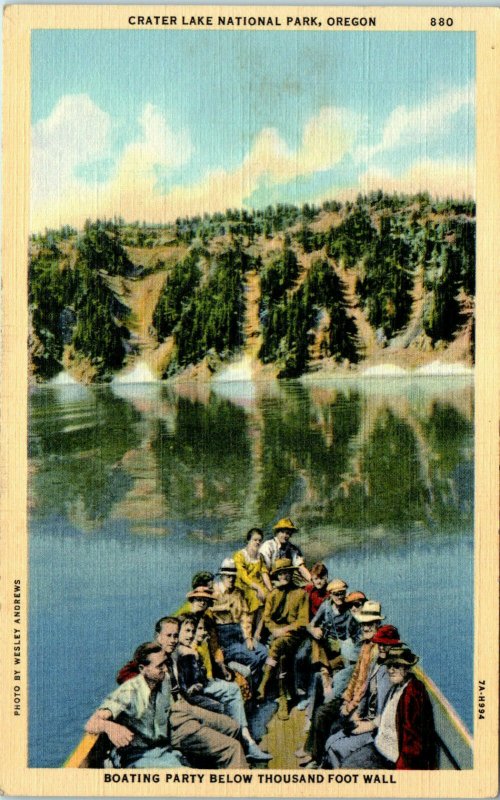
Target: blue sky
{"type": "Point", "coordinates": [156, 124]}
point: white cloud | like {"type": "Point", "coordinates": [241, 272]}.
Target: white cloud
{"type": "Point", "coordinates": [447, 178]}
{"type": "Point", "coordinates": [78, 133]}
{"type": "Point", "coordinates": [158, 145]}
{"type": "Point", "coordinates": [133, 193]}
{"type": "Point", "coordinates": [327, 137]}
{"type": "Point", "coordinates": [420, 124]}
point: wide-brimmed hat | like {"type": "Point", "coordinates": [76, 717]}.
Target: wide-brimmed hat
{"type": "Point", "coordinates": [201, 593]}
{"type": "Point", "coordinates": [355, 597]}
{"type": "Point", "coordinates": [337, 585]}
{"type": "Point", "coordinates": [401, 656]}
{"type": "Point", "coordinates": [282, 565]}
{"type": "Point", "coordinates": [369, 612]}
{"type": "Point", "coordinates": [285, 524]}
{"type": "Point", "coordinates": [228, 567]}
{"type": "Point", "coordinates": [387, 634]}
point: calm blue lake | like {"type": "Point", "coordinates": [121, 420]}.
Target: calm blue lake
{"type": "Point", "coordinates": [135, 488]}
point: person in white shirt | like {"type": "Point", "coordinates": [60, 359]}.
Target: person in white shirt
{"type": "Point", "coordinates": [281, 547]}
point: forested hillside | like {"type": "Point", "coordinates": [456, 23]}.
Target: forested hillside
{"type": "Point", "coordinates": [385, 278]}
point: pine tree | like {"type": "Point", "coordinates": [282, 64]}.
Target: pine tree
{"type": "Point", "coordinates": [178, 291]}
{"type": "Point", "coordinates": [442, 315]}
{"type": "Point", "coordinates": [100, 248]}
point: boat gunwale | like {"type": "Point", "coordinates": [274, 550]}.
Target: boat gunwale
{"type": "Point", "coordinates": [450, 712]}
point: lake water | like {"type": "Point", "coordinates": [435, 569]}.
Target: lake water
{"type": "Point", "coordinates": [133, 488]}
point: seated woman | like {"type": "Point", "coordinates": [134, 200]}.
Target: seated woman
{"type": "Point", "coordinates": [193, 677]}
{"type": "Point", "coordinates": [199, 689]}
{"type": "Point", "coordinates": [198, 602]}
{"type": "Point", "coordinates": [406, 736]}
{"type": "Point", "coordinates": [252, 577]}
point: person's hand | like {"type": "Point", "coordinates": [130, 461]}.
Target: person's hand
{"type": "Point", "coordinates": [196, 688]}
{"type": "Point", "coordinates": [344, 710]}
{"type": "Point", "coordinates": [119, 735]}
{"type": "Point", "coordinates": [316, 632]}
{"type": "Point", "coordinates": [226, 673]}
{"type": "Point", "coordinates": [250, 643]}
{"type": "Point", "coordinates": [259, 591]}
{"type": "Point", "coordinates": [363, 726]}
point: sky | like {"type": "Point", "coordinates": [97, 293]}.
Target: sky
{"type": "Point", "coordinates": [156, 124]}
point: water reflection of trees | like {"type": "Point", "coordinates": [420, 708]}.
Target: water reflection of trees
{"type": "Point", "coordinates": [450, 438]}
{"type": "Point", "coordinates": [76, 446]}
{"type": "Point", "coordinates": [340, 461]}
{"type": "Point", "coordinates": [392, 490]}
{"type": "Point", "coordinates": [204, 464]}
{"type": "Point", "coordinates": [305, 450]}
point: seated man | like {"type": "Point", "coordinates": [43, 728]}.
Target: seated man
{"type": "Point", "coordinates": [233, 623]}
{"type": "Point", "coordinates": [135, 715]}
{"type": "Point", "coordinates": [360, 728]}
{"type": "Point", "coordinates": [281, 547]}
{"type": "Point", "coordinates": [318, 593]}
{"type": "Point", "coordinates": [199, 689]}
{"type": "Point", "coordinates": [406, 736]}
{"type": "Point", "coordinates": [331, 713]}
{"type": "Point", "coordinates": [286, 614]}
{"type": "Point", "coordinates": [205, 738]}
{"type": "Point", "coordinates": [332, 624]}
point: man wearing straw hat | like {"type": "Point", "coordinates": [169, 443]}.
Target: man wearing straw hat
{"type": "Point", "coordinates": [286, 614]}
{"type": "Point", "coordinates": [330, 714]}
{"type": "Point", "coordinates": [233, 623]}
{"type": "Point", "coordinates": [199, 600]}
{"type": "Point", "coordinates": [282, 547]}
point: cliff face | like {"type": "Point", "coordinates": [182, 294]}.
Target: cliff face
{"type": "Point", "coordinates": [344, 288]}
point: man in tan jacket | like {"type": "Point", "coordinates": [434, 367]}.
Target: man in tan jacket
{"type": "Point", "coordinates": [286, 615]}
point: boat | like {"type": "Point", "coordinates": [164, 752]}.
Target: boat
{"type": "Point", "coordinates": [284, 736]}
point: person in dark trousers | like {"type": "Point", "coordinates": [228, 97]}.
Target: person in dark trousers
{"type": "Point", "coordinates": [342, 706]}
{"type": "Point", "coordinates": [360, 728]}
{"type": "Point", "coordinates": [286, 615]}
{"type": "Point", "coordinates": [406, 736]}
{"type": "Point", "coordinates": [149, 722]}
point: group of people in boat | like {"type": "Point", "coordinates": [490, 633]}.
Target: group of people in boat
{"type": "Point", "coordinates": [267, 628]}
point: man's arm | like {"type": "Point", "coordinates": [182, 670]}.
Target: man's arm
{"type": "Point", "coordinates": [101, 721]}
{"type": "Point", "coordinates": [315, 626]}
{"type": "Point", "coordinates": [269, 607]}
{"type": "Point", "coordinates": [216, 653]}
{"type": "Point", "coordinates": [298, 562]}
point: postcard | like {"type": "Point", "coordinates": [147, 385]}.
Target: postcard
{"type": "Point", "coordinates": [250, 401]}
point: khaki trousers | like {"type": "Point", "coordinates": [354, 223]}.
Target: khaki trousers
{"type": "Point", "coordinates": [205, 738]}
